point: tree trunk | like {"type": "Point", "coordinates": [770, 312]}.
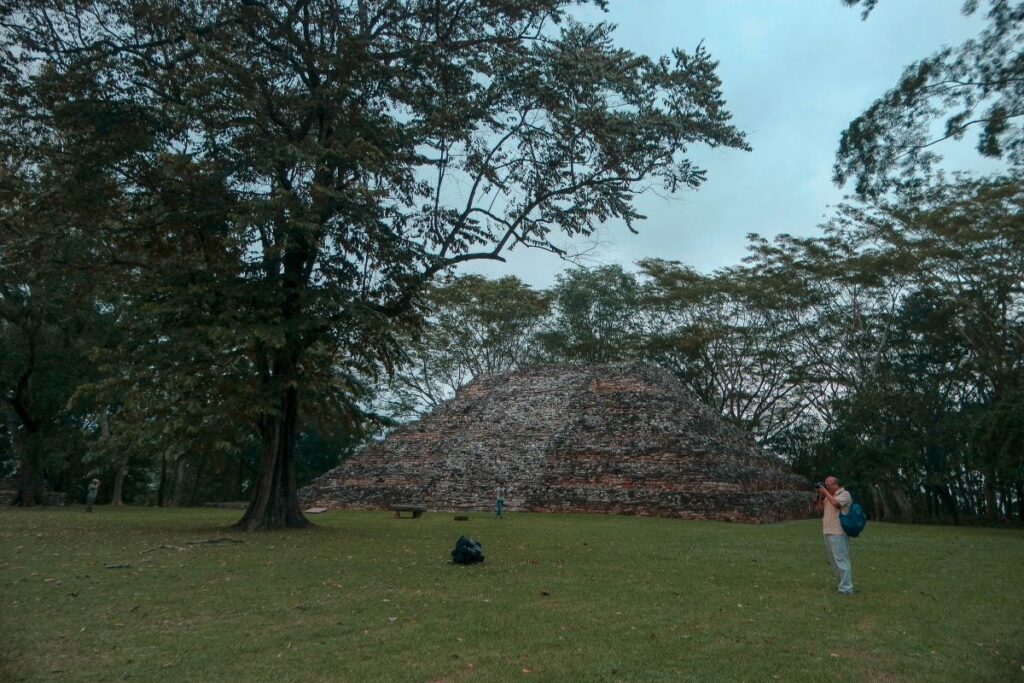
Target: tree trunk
{"type": "Point", "coordinates": [971, 495]}
{"type": "Point", "coordinates": [199, 478]}
{"type": "Point", "coordinates": [881, 507]}
{"type": "Point", "coordinates": [179, 483]}
{"type": "Point", "coordinates": [991, 505]}
{"type": "Point", "coordinates": [115, 494]}
{"type": "Point", "coordinates": [274, 503]}
{"type": "Point", "coordinates": [963, 492]}
{"type": "Point", "coordinates": [1020, 500]}
{"type": "Point", "coordinates": [119, 468]}
{"type": "Point", "coordinates": [30, 480]}
{"type": "Point", "coordinates": [947, 496]}
{"type": "Point", "coordinates": [23, 427]}
{"type": "Point", "coordinates": [903, 503]}
{"type": "Point", "coordinates": [240, 483]}
{"type": "Point", "coordinates": [162, 490]}
{"type": "Point", "coordinates": [224, 476]}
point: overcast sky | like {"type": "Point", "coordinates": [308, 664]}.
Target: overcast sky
{"type": "Point", "coordinates": [794, 73]}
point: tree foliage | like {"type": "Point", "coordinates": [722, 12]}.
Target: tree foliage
{"type": "Point", "coordinates": [974, 87]}
{"type": "Point", "coordinates": [887, 348]}
{"type": "Point", "coordinates": [47, 325]}
{"type": "Point", "coordinates": [277, 181]}
{"type": "Point", "coordinates": [731, 337]}
{"type": "Point", "coordinates": [598, 317]}
{"type": "Point", "coordinates": [472, 326]}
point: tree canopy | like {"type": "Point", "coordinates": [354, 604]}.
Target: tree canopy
{"type": "Point", "coordinates": [273, 184]}
{"type": "Point", "coordinates": [973, 87]}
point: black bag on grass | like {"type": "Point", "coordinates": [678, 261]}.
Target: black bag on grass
{"type": "Point", "coordinates": [467, 551]}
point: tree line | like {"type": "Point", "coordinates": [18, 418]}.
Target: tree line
{"type": "Point", "coordinates": [220, 223]}
{"type": "Point", "coordinates": [889, 349]}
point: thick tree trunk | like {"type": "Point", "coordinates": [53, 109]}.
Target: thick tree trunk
{"type": "Point", "coordinates": [30, 479]}
{"type": "Point", "coordinates": [116, 493]}
{"type": "Point", "coordinates": [274, 504]}
{"type": "Point", "coordinates": [22, 426]}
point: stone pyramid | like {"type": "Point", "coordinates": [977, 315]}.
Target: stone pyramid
{"type": "Point", "coordinates": [625, 438]}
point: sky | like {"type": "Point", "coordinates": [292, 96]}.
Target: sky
{"type": "Point", "coordinates": [794, 74]}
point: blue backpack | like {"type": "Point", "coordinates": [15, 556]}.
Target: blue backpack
{"type": "Point", "coordinates": [854, 521]}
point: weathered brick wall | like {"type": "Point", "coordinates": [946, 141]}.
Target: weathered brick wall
{"type": "Point", "coordinates": [624, 438]}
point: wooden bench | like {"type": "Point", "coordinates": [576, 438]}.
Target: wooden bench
{"type": "Point", "coordinates": [416, 510]}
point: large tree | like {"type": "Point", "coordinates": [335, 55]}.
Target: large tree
{"type": "Point", "coordinates": [978, 86]}
{"type": "Point", "coordinates": [916, 331]}
{"type": "Point", "coordinates": [473, 326]}
{"type": "Point", "coordinates": [597, 317]}
{"type": "Point", "coordinates": [47, 321]}
{"type": "Point", "coordinates": [731, 337]}
{"type": "Point", "coordinates": [288, 175]}
{"type": "Point", "coordinates": [966, 240]}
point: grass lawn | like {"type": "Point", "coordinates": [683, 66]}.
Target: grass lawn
{"type": "Point", "coordinates": [366, 597]}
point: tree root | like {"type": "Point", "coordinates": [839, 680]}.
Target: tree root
{"type": "Point", "coordinates": [216, 540]}
{"type": "Point", "coordinates": [167, 546]}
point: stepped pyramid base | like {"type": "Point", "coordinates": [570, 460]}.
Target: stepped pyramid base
{"type": "Point", "coordinates": [617, 439]}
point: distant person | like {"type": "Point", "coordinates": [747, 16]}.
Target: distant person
{"type": "Point", "coordinates": [90, 497]}
{"type": "Point", "coordinates": [833, 499]}
{"type": "Point", "coordinates": [501, 502]}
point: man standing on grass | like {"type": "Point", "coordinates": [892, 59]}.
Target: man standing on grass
{"type": "Point", "coordinates": [90, 497]}
{"type": "Point", "coordinates": [833, 499]}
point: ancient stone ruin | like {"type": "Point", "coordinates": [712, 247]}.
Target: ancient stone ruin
{"type": "Point", "coordinates": [625, 438]}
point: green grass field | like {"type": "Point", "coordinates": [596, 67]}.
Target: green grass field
{"type": "Point", "coordinates": [366, 597]}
